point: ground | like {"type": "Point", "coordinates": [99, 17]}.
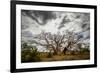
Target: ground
{"type": "Point", "coordinates": [34, 56]}
{"type": "Point", "coordinates": [82, 56]}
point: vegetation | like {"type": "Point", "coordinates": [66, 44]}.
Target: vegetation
{"type": "Point", "coordinates": [53, 43]}
{"type": "Point", "coordinates": [33, 55]}
{"type": "Point", "coordinates": [28, 55]}
{"type": "Point", "coordinates": [50, 57]}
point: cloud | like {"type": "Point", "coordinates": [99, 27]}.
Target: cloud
{"type": "Point", "coordinates": [27, 34]}
{"type": "Point", "coordinates": [35, 21]}
{"type": "Point", "coordinates": [41, 17]}
{"type": "Point", "coordinates": [64, 21]}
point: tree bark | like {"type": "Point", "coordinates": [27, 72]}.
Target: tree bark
{"type": "Point", "coordinates": [66, 48]}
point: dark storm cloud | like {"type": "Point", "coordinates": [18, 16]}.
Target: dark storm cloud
{"type": "Point", "coordinates": [84, 35]}
{"type": "Point", "coordinates": [34, 21]}
{"type": "Point", "coordinates": [78, 16]}
{"type": "Point", "coordinates": [64, 21]}
{"type": "Point", "coordinates": [80, 36]}
{"type": "Point", "coordinates": [86, 17]}
{"type": "Point", "coordinates": [85, 21]}
{"type": "Point", "coordinates": [30, 14]}
{"type": "Point", "coordinates": [81, 18]}
{"type": "Point", "coordinates": [41, 17]}
{"type": "Point", "coordinates": [84, 25]}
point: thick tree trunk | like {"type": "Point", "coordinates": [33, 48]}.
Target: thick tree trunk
{"type": "Point", "coordinates": [66, 48]}
{"type": "Point", "coordinates": [55, 52]}
{"type": "Point", "coordinates": [64, 51]}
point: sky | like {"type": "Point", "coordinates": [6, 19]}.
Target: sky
{"type": "Point", "coordinates": [34, 22]}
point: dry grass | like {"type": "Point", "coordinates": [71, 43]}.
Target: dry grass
{"type": "Point", "coordinates": [82, 56]}
{"type": "Point", "coordinates": [28, 56]}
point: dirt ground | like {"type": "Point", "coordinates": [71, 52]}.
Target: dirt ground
{"type": "Point", "coordinates": [66, 57]}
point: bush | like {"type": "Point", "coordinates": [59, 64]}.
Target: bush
{"type": "Point", "coordinates": [72, 52]}
{"type": "Point", "coordinates": [30, 55]}
{"type": "Point", "coordinates": [83, 50]}
{"type": "Point", "coordinates": [49, 55]}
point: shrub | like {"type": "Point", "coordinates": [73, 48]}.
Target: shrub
{"type": "Point", "coordinates": [30, 55]}
{"type": "Point", "coordinates": [49, 55]}
{"type": "Point", "coordinates": [84, 50]}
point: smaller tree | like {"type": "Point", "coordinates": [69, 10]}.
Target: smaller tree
{"type": "Point", "coordinates": [72, 40]}
{"type": "Point", "coordinates": [49, 41]}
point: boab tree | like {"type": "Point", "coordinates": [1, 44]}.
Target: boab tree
{"type": "Point", "coordinates": [50, 41]}
{"type": "Point", "coordinates": [55, 41]}
{"type": "Point", "coordinates": [72, 40]}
